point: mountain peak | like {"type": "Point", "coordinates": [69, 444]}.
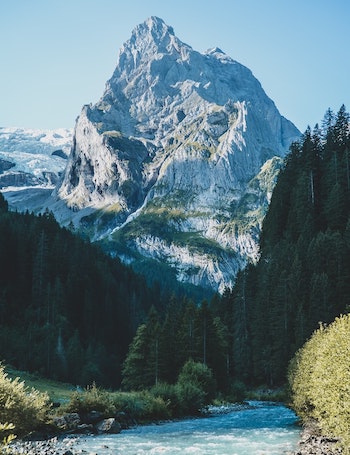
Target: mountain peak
{"type": "Point", "coordinates": [148, 39]}
{"type": "Point", "coordinates": [152, 30]}
{"type": "Point", "coordinates": [177, 134]}
{"type": "Point", "coordinates": [156, 26]}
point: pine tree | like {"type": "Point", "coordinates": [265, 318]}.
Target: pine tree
{"type": "Point", "coordinates": [136, 361]}
{"type": "Point", "coordinates": [3, 203]}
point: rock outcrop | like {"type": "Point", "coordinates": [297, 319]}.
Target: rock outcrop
{"type": "Point", "coordinates": [177, 161]}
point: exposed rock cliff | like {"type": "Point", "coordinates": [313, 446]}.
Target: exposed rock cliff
{"type": "Point", "coordinates": [176, 161]}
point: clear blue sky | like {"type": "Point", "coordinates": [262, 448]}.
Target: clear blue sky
{"type": "Point", "coordinates": [56, 55]}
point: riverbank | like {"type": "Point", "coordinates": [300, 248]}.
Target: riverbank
{"type": "Point", "coordinates": [64, 444]}
{"type": "Point", "coordinates": [313, 443]}
{"type": "Point", "coordinates": [258, 427]}
{"type": "Point", "coordinates": [52, 446]}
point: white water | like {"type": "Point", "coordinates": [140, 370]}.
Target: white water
{"type": "Point", "coordinates": [267, 428]}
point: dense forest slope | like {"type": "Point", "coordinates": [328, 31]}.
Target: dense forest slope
{"type": "Point", "coordinates": [302, 278]}
{"type": "Point", "coordinates": [69, 311]}
{"type": "Point", "coordinates": [303, 275]}
{"type": "Point", "coordinates": [66, 309]}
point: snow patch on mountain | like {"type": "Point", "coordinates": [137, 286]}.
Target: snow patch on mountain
{"type": "Point", "coordinates": [34, 157]}
{"type": "Point", "coordinates": [31, 164]}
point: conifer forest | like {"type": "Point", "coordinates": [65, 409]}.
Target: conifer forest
{"type": "Point", "coordinates": [70, 312]}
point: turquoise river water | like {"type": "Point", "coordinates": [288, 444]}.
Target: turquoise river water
{"type": "Point", "coordinates": [262, 429]}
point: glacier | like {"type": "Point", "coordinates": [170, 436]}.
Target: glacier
{"type": "Point", "coordinates": [31, 163]}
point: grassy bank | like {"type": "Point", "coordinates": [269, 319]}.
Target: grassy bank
{"type": "Point", "coordinates": [58, 392]}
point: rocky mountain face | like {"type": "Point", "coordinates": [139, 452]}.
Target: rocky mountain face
{"type": "Point", "coordinates": [177, 161]}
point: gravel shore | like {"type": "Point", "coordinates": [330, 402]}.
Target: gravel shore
{"type": "Point", "coordinates": [53, 446]}
{"type": "Point", "coordinates": [313, 443]}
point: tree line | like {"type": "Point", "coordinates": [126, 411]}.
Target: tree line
{"type": "Point", "coordinates": [302, 278]}
{"type": "Point", "coordinates": [303, 274]}
{"type": "Point", "coordinates": [71, 312]}
{"type": "Point", "coordinates": [67, 310]}
{"type": "Point", "coordinates": [165, 342]}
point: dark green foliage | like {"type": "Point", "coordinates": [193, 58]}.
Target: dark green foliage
{"type": "Point", "coordinates": [198, 375]}
{"type": "Point", "coordinates": [67, 310]}
{"type": "Point", "coordinates": [3, 203]}
{"type": "Point", "coordinates": [163, 344]}
{"type": "Point", "coordinates": [194, 389]}
{"type": "Point", "coordinates": [237, 392]}
{"type": "Point", "coordinates": [191, 398]}
{"type": "Point", "coordinates": [135, 406]}
{"type": "Point", "coordinates": [303, 275]}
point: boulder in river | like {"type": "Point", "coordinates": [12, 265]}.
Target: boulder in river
{"type": "Point", "coordinates": [108, 426]}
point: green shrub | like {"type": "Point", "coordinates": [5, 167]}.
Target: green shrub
{"type": "Point", "coordinates": [25, 408]}
{"type": "Point", "coordinates": [129, 402]}
{"type": "Point", "coordinates": [319, 377]}
{"type": "Point", "coordinates": [91, 399]}
{"type": "Point", "coordinates": [237, 391]}
{"type": "Point", "coordinates": [190, 397]}
{"type": "Point", "coordinates": [200, 375]}
{"type": "Point", "coordinates": [142, 405]}
{"type": "Point", "coordinates": [300, 375]}
{"type": "Point", "coordinates": [169, 395]}
{"type": "Point", "coordinates": [195, 387]}
{"type": "Point", "coordinates": [156, 408]}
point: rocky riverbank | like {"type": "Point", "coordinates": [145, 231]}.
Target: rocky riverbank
{"type": "Point", "coordinates": [313, 443]}
{"type": "Point", "coordinates": [52, 446]}
{"type": "Point", "coordinates": [66, 427]}
{"type": "Point", "coordinates": [71, 443]}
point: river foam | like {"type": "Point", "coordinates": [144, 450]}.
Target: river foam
{"type": "Point", "coordinates": [261, 429]}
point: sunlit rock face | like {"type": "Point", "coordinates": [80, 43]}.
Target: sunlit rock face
{"type": "Point", "coordinates": [178, 159]}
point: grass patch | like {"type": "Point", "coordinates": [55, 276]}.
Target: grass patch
{"type": "Point", "coordinates": [57, 391]}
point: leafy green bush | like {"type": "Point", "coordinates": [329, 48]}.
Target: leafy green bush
{"type": "Point", "coordinates": [191, 398]}
{"type": "Point", "coordinates": [237, 391]}
{"type": "Point", "coordinates": [91, 399]}
{"type": "Point", "coordinates": [129, 402]}
{"type": "Point", "coordinates": [142, 405]}
{"type": "Point", "coordinates": [200, 375]}
{"type": "Point", "coordinates": [156, 408]}
{"type": "Point", "coordinates": [195, 387]}
{"type": "Point", "coordinates": [319, 378]}
{"type": "Point", "coordinates": [22, 407]}
{"type": "Point", "coordinates": [169, 395]}
{"type": "Point", "coordinates": [300, 374]}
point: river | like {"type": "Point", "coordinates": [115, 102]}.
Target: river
{"type": "Point", "coordinates": [262, 429]}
